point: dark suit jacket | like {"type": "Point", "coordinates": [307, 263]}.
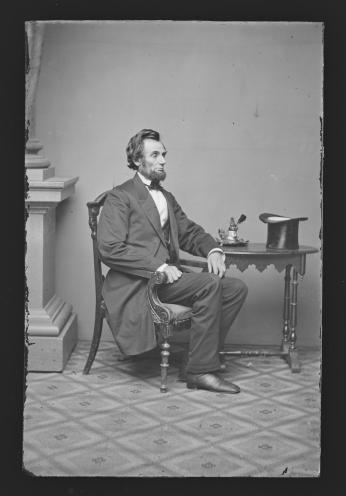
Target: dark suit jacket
{"type": "Point", "coordinates": [131, 242]}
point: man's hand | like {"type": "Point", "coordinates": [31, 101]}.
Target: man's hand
{"type": "Point", "coordinates": [173, 273]}
{"type": "Point", "coordinates": [216, 264]}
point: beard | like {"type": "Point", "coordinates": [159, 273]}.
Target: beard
{"type": "Point", "coordinates": [157, 176]}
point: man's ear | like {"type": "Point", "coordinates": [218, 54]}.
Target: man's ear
{"type": "Point", "coordinates": [138, 162]}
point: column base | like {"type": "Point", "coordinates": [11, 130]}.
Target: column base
{"type": "Point", "coordinates": [51, 353]}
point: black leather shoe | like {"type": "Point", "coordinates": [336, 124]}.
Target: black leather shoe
{"type": "Point", "coordinates": [210, 382]}
{"type": "Point", "coordinates": [182, 371]}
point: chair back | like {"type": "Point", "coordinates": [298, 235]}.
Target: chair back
{"type": "Point", "coordinates": [94, 208]}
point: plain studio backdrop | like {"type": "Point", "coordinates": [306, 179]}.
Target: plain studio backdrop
{"type": "Point", "coordinates": [239, 107]}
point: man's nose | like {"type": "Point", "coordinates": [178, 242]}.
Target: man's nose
{"type": "Point", "coordinates": [162, 160]}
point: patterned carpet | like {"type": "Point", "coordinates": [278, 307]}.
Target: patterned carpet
{"type": "Point", "coordinates": [115, 422]}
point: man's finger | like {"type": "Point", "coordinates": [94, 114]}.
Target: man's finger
{"type": "Point", "coordinates": [223, 270]}
{"type": "Point", "coordinates": [219, 269]}
{"type": "Point", "coordinates": [216, 268]}
{"type": "Point", "coordinates": [176, 273]}
{"type": "Point", "coordinates": [211, 268]}
{"type": "Point", "coordinates": [169, 274]}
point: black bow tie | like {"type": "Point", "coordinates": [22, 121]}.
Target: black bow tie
{"type": "Point", "coordinates": [154, 185]}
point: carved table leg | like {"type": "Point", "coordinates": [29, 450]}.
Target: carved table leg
{"type": "Point", "coordinates": [293, 352]}
{"type": "Point", "coordinates": [165, 346]}
{"type": "Point", "coordinates": [286, 313]}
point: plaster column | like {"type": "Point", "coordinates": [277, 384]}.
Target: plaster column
{"type": "Point", "coordinates": [52, 325]}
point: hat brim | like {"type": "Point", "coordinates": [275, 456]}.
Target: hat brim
{"type": "Point", "coordinates": [276, 219]}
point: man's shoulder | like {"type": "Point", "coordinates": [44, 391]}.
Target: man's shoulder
{"type": "Point", "coordinates": [126, 186]}
{"type": "Point", "coordinates": [117, 193]}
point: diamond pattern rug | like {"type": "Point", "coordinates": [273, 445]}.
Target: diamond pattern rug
{"type": "Point", "coordinates": [115, 422]}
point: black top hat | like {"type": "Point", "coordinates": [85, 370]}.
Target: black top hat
{"type": "Point", "coordinates": [282, 231]}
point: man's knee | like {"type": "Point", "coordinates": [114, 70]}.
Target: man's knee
{"type": "Point", "coordinates": [242, 287]}
{"type": "Point", "coordinates": [236, 286]}
{"type": "Point", "coordinates": [212, 282]}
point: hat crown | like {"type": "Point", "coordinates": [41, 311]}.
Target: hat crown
{"type": "Point", "coordinates": [282, 231]}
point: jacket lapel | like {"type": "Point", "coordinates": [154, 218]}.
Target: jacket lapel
{"type": "Point", "coordinates": [148, 206]}
{"type": "Point", "coordinates": [173, 227]}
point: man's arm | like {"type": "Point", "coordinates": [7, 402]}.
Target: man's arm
{"type": "Point", "coordinates": [112, 233]}
{"type": "Point", "coordinates": [192, 237]}
{"type": "Point", "coordinates": [194, 240]}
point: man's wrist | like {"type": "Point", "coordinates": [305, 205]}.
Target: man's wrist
{"type": "Point", "coordinates": [218, 250]}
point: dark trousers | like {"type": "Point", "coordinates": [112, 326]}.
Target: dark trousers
{"type": "Point", "coordinates": [215, 304]}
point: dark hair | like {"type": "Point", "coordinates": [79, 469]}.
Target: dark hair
{"type": "Point", "coordinates": [134, 149]}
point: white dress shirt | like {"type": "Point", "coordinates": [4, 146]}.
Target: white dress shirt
{"type": "Point", "coordinates": [161, 205]}
{"type": "Point", "coordinates": [159, 199]}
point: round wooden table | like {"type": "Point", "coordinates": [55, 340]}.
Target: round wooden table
{"type": "Point", "coordinates": [293, 262]}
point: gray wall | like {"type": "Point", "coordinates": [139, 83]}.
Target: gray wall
{"type": "Point", "coordinates": [238, 106]}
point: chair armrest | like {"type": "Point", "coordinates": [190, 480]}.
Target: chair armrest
{"type": "Point", "coordinates": [194, 263]}
{"type": "Point", "coordinates": [161, 313]}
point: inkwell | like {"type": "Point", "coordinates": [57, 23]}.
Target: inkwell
{"type": "Point", "coordinates": [231, 237]}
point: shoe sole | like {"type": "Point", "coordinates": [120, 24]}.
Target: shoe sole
{"type": "Point", "coordinates": [194, 386]}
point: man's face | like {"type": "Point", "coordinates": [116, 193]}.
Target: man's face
{"type": "Point", "coordinates": [152, 163]}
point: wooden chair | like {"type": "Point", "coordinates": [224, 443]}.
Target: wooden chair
{"type": "Point", "coordinates": [167, 317]}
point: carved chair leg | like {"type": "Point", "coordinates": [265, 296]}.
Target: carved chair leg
{"type": "Point", "coordinates": [95, 341]}
{"type": "Point", "coordinates": [165, 346]}
{"type": "Point", "coordinates": [163, 332]}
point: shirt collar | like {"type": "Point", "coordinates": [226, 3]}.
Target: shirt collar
{"type": "Point", "coordinates": [146, 181]}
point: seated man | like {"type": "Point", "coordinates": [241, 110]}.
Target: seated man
{"type": "Point", "coordinates": [141, 229]}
